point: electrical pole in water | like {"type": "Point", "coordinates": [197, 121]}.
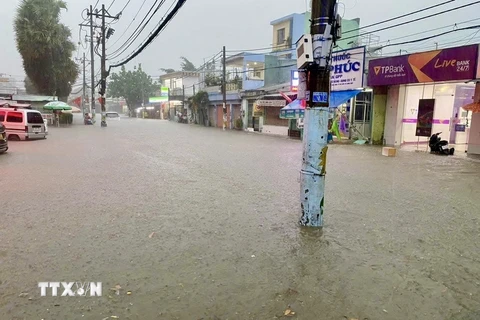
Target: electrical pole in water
{"type": "Point", "coordinates": [104, 73]}
{"type": "Point", "coordinates": [92, 66]}
{"type": "Point", "coordinates": [224, 88]}
{"type": "Point", "coordinates": [92, 61]}
{"type": "Point", "coordinates": [84, 85]}
{"type": "Point", "coordinates": [324, 33]}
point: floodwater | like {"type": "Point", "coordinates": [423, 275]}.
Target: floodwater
{"type": "Point", "coordinates": [198, 223]}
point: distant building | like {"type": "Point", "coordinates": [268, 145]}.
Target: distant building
{"type": "Point", "coordinates": [286, 32]}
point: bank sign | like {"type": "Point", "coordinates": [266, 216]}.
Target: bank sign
{"type": "Point", "coordinates": [453, 64]}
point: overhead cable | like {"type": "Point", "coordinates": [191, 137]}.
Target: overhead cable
{"type": "Point", "coordinates": [152, 37]}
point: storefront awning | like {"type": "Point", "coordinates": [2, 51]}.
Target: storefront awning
{"type": "Point", "coordinates": [295, 110]}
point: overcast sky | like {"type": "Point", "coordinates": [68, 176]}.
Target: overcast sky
{"type": "Point", "coordinates": [202, 27]}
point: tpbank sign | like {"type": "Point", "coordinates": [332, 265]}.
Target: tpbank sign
{"type": "Point", "coordinates": [453, 64]}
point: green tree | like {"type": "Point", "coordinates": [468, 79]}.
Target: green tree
{"type": "Point", "coordinates": [200, 103]}
{"type": "Point", "coordinates": [136, 87]}
{"type": "Point", "coordinates": [187, 65]}
{"type": "Point", "coordinates": [46, 47]}
{"type": "Point", "coordinates": [168, 70]}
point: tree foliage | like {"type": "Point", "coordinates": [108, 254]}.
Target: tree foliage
{"type": "Point", "coordinates": [136, 87]}
{"type": "Point", "coordinates": [199, 103]}
{"type": "Point", "coordinates": [187, 65]}
{"type": "Point", "coordinates": [167, 71]}
{"type": "Point", "coordinates": [46, 47]}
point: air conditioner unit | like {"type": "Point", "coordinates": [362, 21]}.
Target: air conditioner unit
{"type": "Point", "coordinates": [304, 51]}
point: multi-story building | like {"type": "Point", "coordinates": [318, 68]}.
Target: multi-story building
{"type": "Point", "coordinates": [286, 32]}
{"type": "Point", "coordinates": [181, 86]}
{"type": "Point", "coordinates": [176, 82]}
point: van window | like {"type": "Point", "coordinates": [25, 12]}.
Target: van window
{"type": "Point", "coordinates": [34, 117]}
{"type": "Point", "coordinates": [2, 116]}
{"type": "Point", "coordinates": [112, 115]}
{"type": "Point", "coordinates": [15, 117]}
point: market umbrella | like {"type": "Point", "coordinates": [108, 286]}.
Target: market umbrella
{"type": "Point", "coordinates": [57, 106]}
{"type": "Point", "coordinates": [296, 108]}
{"type": "Point", "coordinates": [73, 110]}
{"type": "Point", "coordinates": [474, 107]}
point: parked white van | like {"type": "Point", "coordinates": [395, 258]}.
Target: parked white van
{"type": "Point", "coordinates": [22, 124]}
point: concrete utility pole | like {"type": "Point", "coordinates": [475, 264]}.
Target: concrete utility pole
{"type": "Point", "coordinates": [92, 61]}
{"type": "Point", "coordinates": [323, 25]}
{"type": "Point", "coordinates": [103, 82]}
{"type": "Point", "coordinates": [104, 73]}
{"type": "Point", "coordinates": [92, 66]}
{"type": "Point", "coordinates": [224, 88]}
{"type": "Point", "coordinates": [84, 85]}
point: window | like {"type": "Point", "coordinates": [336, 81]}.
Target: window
{"type": "Point", "coordinates": [15, 117]}
{"type": "Point", "coordinates": [34, 117]}
{"type": "Point", "coordinates": [2, 116]}
{"type": "Point", "coordinates": [280, 36]}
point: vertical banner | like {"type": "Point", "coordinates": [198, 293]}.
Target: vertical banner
{"type": "Point", "coordinates": [426, 108]}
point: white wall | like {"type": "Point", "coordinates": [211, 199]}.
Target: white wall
{"type": "Point", "coordinates": [391, 116]}
{"type": "Point", "coordinates": [474, 135]}
{"type": "Point", "coordinates": [444, 95]}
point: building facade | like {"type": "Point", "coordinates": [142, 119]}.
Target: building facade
{"type": "Point", "coordinates": [419, 94]}
{"type": "Point", "coordinates": [286, 32]}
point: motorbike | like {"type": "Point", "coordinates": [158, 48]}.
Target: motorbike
{"type": "Point", "coordinates": [439, 146]}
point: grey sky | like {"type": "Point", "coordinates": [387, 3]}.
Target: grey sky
{"type": "Point", "coordinates": [202, 27]}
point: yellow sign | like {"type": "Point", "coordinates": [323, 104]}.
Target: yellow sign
{"type": "Point", "coordinates": [257, 110]}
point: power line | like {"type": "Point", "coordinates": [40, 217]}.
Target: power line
{"type": "Point", "coordinates": [401, 16]}
{"type": "Point", "coordinates": [382, 29]}
{"type": "Point", "coordinates": [128, 2]}
{"type": "Point", "coordinates": [414, 20]}
{"type": "Point", "coordinates": [131, 22]}
{"type": "Point", "coordinates": [435, 29]}
{"type": "Point", "coordinates": [134, 36]}
{"type": "Point", "coordinates": [162, 25]}
{"type": "Point", "coordinates": [111, 4]}
{"type": "Point", "coordinates": [247, 71]}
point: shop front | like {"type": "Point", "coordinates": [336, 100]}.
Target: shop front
{"type": "Point", "coordinates": [268, 109]}
{"type": "Point", "coordinates": [424, 93]}
{"type": "Point", "coordinates": [349, 100]}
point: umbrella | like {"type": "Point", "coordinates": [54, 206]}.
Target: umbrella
{"type": "Point", "coordinates": [73, 110]}
{"type": "Point", "coordinates": [57, 105]}
{"type": "Point", "coordinates": [474, 107]}
{"type": "Point", "coordinates": [296, 108]}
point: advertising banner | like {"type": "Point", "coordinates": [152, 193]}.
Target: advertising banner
{"type": "Point", "coordinates": [294, 81]}
{"type": "Point", "coordinates": [453, 64]}
{"type": "Point", "coordinates": [163, 96]}
{"type": "Point", "coordinates": [347, 68]}
{"type": "Point", "coordinates": [425, 117]}
{"type": "Point", "coordinates": [346, 72]}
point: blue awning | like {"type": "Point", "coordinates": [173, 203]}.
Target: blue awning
{"type": "Point", "coordinates": [294, 110]}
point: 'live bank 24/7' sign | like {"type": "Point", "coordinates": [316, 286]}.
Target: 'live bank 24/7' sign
{"type": "Point", "coordinates": [346, 70]}
{"type": "Point", "coordinates": [452, 64]}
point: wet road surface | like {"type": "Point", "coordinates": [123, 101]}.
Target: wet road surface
{"type": "Point", "coordinates": [198, 223]}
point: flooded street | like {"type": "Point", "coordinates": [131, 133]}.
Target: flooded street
{"type": "Point", "coordinates": [198, 223]}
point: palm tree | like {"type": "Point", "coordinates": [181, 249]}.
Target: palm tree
{"type": "Point", "coordinates": [45, 46]}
